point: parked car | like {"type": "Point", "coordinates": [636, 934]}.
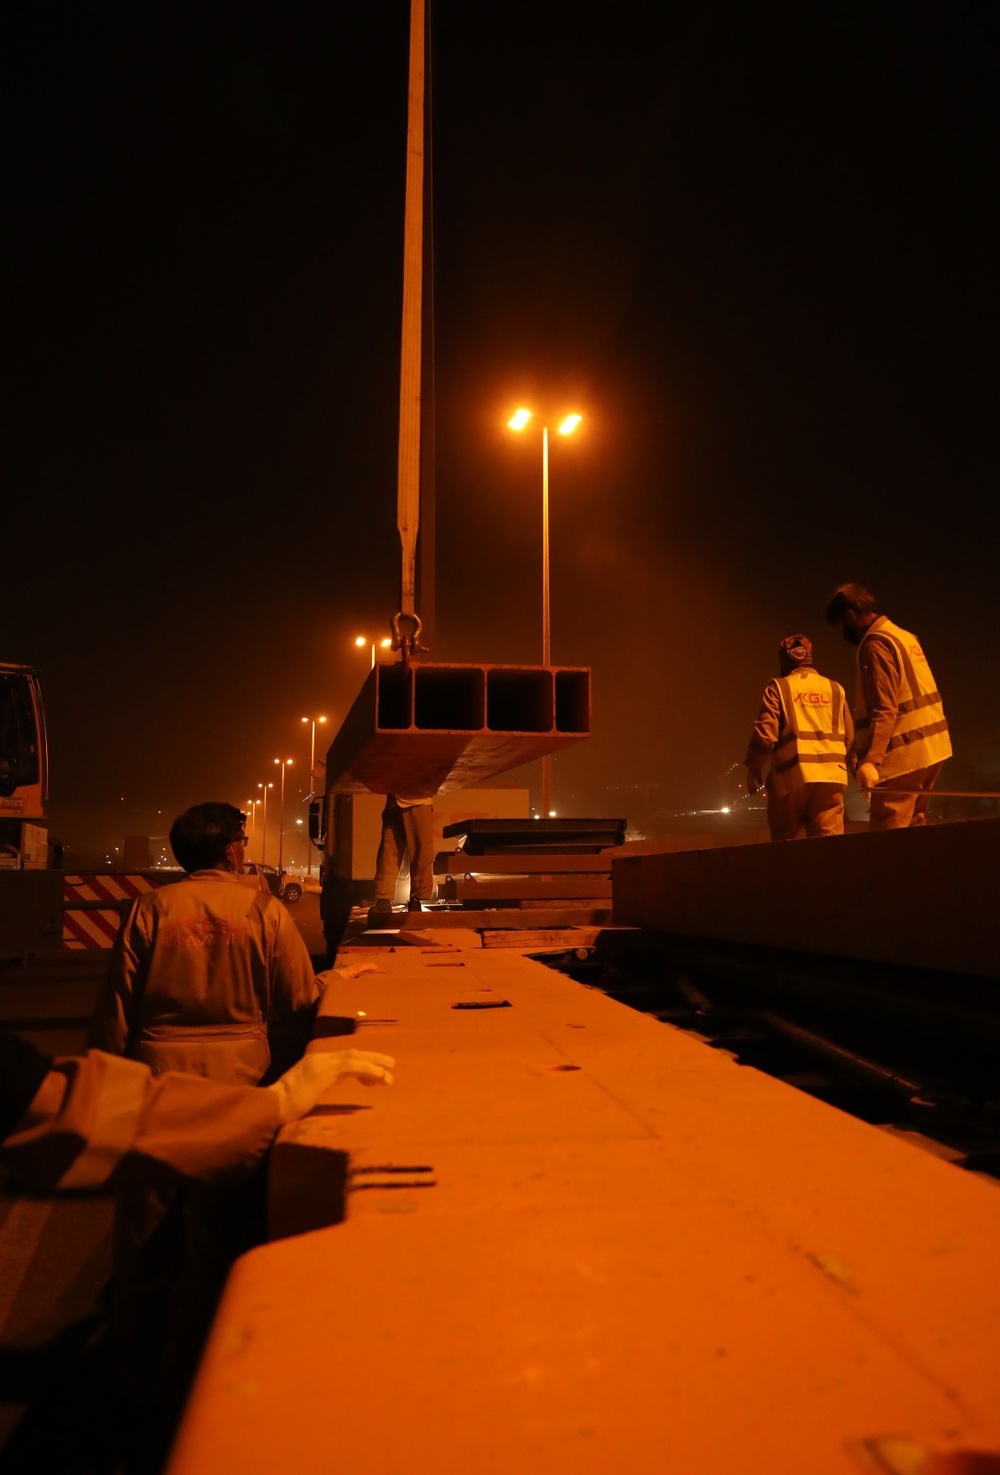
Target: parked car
{"type": "Point", "coordinates": [268, 873]}
{"type": "Point", "coordinates": [282, 884]}
{"type": "Point", "coordinates": [293, 886]}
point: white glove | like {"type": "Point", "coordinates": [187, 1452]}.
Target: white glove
{"type": "Point", "coordinates": [299, 1089]}
{"type": "Point", "coordinates": [867, 777]}
{"type": "Point", "coordinates": [340, 975]}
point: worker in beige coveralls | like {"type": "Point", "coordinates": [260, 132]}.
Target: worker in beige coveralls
{"type": "Point", "coordinates": [209, 976]}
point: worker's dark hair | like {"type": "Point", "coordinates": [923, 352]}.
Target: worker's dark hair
{"type": "Point", "coordinates": [199, 836]}
{"type": "Point", "coordinates": [851, 597]}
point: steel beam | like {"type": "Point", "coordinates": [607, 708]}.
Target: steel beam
{"type": "Point", "coordinates": [438, 727]}
{"type": "Point", "coordinates": [922, 898]}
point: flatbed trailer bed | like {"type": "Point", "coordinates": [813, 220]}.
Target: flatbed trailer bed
{"type": "Point", "coordinates": [571, 1237]}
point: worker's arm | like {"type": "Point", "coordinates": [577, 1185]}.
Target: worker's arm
{"type": "Point", "coordinates": [114, 1012]}
{"type": "Point", "coordinates": [93, 1110]}
{"type": "Point", "coordinates": [846, 729]}
{"type": "Point", "coordinates": [76, 1120]}
{"type": "Point", "coordinates": [879, 668]}
{"type": "Point", "coordinates": [763, 737]}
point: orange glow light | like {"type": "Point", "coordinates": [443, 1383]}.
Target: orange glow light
{"type": "Point", "coordinates": [570, 424]}
{"type": "Point", "coordinates": [519, 419]}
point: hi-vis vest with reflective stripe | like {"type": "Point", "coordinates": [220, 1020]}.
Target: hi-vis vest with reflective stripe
{"type": "Point", "coordinates": [920, 736]}
{"type": "Point", "coordinates": [811, 746]}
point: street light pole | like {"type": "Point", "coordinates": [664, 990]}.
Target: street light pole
{"type": "Point", "coordinates": [312, 751]}
{"type": "Point", "coordinates": [263, 832]}
{"type": "Point", "coordinates": [362, 640]}
{"type": "Point", "coordinates": [546, 630]}
{"type": "Point", "coordinates": [569, 424]}
{"type": "Point", "coordinates": [546, 643]}
{"type": "Point", "coordinates": [283, 763]}
{"type": "Point", "coordinates": [312, 774]}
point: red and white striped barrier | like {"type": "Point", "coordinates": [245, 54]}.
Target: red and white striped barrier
{"type": "Point", "coordinates": [94, 904]}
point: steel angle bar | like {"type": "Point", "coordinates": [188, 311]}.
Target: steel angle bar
{"type": "Point", "coordinates": [439, 727]}
{"type": "Point", "coordinates": [534, 837]}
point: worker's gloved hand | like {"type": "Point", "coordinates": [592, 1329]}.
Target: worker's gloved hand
{"type": "Point", "coordinates": [299, 1089]}
{"type": "Point", "coordinates": [339, 975]}
{"type": "Point", "coordinates": [754, 784]}
{"type": "Point", "coordinates": [867, 777]}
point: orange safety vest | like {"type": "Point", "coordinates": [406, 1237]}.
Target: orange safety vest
{"type": "Point", "coordinates": [920, 736]}
{"type": "Point", "coordinates": [812, 742]}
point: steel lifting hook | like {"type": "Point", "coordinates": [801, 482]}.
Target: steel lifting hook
{"type": "Point", "coordinates": [410, 643]}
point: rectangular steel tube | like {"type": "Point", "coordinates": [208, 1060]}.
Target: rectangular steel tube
{"type": "Point", "coordinates": [440, 727]}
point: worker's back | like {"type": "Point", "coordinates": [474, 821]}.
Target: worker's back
{"type": "Point", "coordinates": [200, 970]}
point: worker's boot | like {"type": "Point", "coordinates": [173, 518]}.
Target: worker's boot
{"type": "Point", "coordinates": [414, 904]}
{"type": "Point", "coordinates": [380, 912]}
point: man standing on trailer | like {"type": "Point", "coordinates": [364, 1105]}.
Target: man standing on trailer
{"type": "Point", "coordinates": [901, 733]}
{"type": "Point", "coordinates": [407, 829]}
{"type": "Point", "coordinates": [803, 730]}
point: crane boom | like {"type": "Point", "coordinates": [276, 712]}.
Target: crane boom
{"type": "Point", "coordinates": [408, 494]}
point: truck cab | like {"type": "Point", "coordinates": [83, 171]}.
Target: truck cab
{"type": "Point", "coordinates": [24, 779]}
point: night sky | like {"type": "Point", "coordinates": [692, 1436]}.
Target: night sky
{"type": "Point", "coordinates": [754, 244]}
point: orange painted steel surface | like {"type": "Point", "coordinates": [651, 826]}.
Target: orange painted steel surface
{"type": "Point", "coordinates": [578, 1240]}
{"type": "Point", "coordinates": [441, 727]}
{"type": "Point", "coordinates": [925, 897]}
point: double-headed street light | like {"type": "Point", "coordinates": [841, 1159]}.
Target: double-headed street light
{"type": "Point", "coordinates": [312, 750]}
{"type": "Point", "coordinates": [251, 818]}
{"type": "Point", "coordinates": [263, 828]}
{"type": "Point", "coordinates": [518, 421]}
{"type": "Point", "coordinates": [362, 640]}
{"type": "Point", "coordinates": [282, 763]}
{"type": "Point", "coordinates": [312, 772]}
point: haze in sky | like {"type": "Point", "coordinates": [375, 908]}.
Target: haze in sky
{"type": "Point", "coordinates": [754, 245]}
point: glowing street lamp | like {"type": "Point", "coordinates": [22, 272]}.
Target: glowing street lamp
{"type": "Point", "coordinates": [263, 829]}
{"type": "Point", "coordinates": [312, 750]}
{"type": "Point", "coordinates": [252, 818]}
{"type": "Point", "coordinates": [282, 763]}
{"type": "Point", "coordinates": [362, 640]}
{"type": "Point", "coordinates": [518, 421]}
{"type": "Point", "coordinates": [312, 771]}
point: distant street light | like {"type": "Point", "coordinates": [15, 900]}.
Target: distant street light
{"type": "Point", "coordinates": [282, 763]}
{"type": "Point", "coordinates": [312, 773]}
{"type": "Point", "coordinates": [263, 829]}
{"type": "Point", "coordinates": [362, 640]}
{"type": "Point", "coordinates": [312, 750]}
{"type": "Point", "coordinates": [518, 421]}
{"type": "Point", "coordinates": [253, 805]}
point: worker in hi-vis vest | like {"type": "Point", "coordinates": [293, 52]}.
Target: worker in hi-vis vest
{"type": "Point", "coordinates": [803, 731]}
{"type": "Point", "coordinates": [901, 733]}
